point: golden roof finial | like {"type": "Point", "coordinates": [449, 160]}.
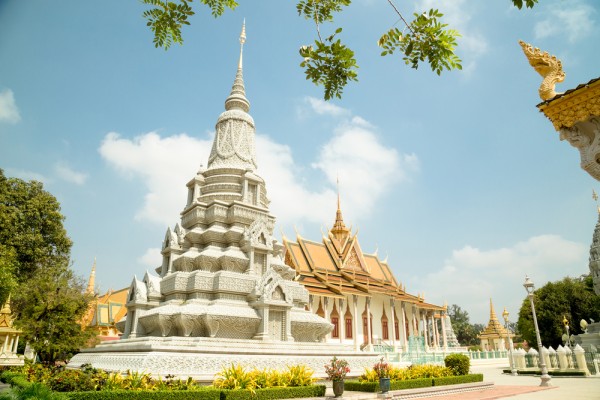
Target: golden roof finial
{"type": "Point", "coordinates": [549, 67]}
{"type": "Point", "coordinates": [492, 312]}
{"type": "Point", "coordinates": [339, 229]}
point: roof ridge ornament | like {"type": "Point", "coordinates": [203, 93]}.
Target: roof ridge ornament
{"type": "Point", "coordinates": [548, 66]}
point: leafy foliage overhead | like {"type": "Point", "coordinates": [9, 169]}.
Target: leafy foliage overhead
{"type": "Point", "coordinates": [330, 63]}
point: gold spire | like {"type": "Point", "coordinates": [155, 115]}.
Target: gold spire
{"type": "Point", "coordinates": [92, 281]}
{"type": "Point", "coordinates": [492, 312]}
{"type": "Point", "coordinates": [339, 230]}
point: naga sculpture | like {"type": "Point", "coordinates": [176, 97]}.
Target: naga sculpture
{"type": "Point", "coordinates": [549, 67]}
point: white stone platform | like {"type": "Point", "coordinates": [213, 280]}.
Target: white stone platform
{"type": "Point", "coordinates": [201, 358]}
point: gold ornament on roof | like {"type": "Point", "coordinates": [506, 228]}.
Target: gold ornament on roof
{"type": "Point", "coordinates": [548, 66]}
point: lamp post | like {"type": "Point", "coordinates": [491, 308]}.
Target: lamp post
{"type": "Point", "coordinates": [513, 370]}
{"type": "Point", "coordinates": [566, 323]}
{"type": "Point", "coordinates": [545, 377]}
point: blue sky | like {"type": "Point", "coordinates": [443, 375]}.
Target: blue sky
{"type": "Point", "coordinates": [457, 179]}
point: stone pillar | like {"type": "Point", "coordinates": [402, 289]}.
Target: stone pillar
{"type": "Point", "coordinates": [263, 327]}
{"type": "Point", "coordinates": [521, 358]}
{"type": "Point", "coordinates": [545, 354]}
{"type": "Point", "coordinates": [580, 358]}
{"type": "Point", "coordinates": [325, 308]}
{"type": "Point", "coordinates": [393, 312]}
{"type": "Point", "coordinates": [554, 363]}
{"type": "Point", "coordinates": [444, 339]}
{"type": "Point", "coordinates": [357, 321]}
{"type": "Point", "coordinates": [369, 333]}
{"type": "Point", "coordinates": [562, 358]}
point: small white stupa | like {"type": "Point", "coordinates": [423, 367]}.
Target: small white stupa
{"type": "Point", "coordinates": [223, 293]}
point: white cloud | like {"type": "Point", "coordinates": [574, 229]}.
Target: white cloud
{"type": "Point", "coordinates": [166, 164]}
{"type": "Point", "coordinates": [323, 107]}
{"type": "Point", "coordinates": [68, 174]}
{"type": "Point", "coordinates": [472, 276]}
{"type": "Point", "coordinates": [573, 19]}
{"type": "Point", "coordinates": [152, 259]}
{"type": "Point", "coordinates": [8, 107]}
{"type": "Point", "coordinates": [458, 15]}
{"type": "Point", "coordinates": [26, 175]}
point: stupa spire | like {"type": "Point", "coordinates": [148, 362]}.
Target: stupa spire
{"type": "Point", "coordinates": [233, 146]}
{"type": "Point", "coordinates": [237, 98]}
{"type": "Point", "coordinates": [92, 280]}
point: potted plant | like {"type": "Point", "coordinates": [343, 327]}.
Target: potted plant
{"type": "Point", "coordinates": [382, 369]}
{"type": "Point", "coordinates": [336, 371]}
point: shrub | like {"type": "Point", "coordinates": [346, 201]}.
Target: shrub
{"type": "Point", "coordinates": [426, 371]}
{"type": "Point", "coordinates": [71, 380]}
{"type": "Point", "coordinates": [299, 375]}
{"type": "Point", "coordinates": [234, 377]}
{"type": "Point", "coordinates": [459, 364]}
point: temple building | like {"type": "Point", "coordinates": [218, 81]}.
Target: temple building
{"type": "Point", "coordinates": [494, 336]}
{"type": "Point", "coordinates": [9, 338]}
{"type": "Point", "coordinates": [359, 295]}
{"type": "Point", "coordinates": [105, 310]}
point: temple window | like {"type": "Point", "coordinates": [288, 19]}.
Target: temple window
{"type": "Point", "coordinates": [397, 330]}
{"type": "Point", "coordinates": [348, 321]}
{"type": "Point", "coordinates": [385, 334]}
{"type": "Point", "coordinates": [336, 324]}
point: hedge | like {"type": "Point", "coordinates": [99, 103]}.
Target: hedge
{"type": "Point", "coordinates": [455, 380]}
{"type": "Point", "coordinates": [274, 393]}
{"type": "Point", "coordinates": [411, 384]}
{"type": "Point", "coordinates": [373, 387]}
{"type": "Point", "coordinates": [208, 394]}
{"type": "Point", "coordinates": [552, 373]}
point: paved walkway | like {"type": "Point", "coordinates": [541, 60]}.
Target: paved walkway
{"type": "Point", "coordinates": [507, 386]}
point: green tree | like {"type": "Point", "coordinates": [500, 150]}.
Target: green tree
{"type": "Point", "coordinates": [46, 298]}
{"type": "Point", "coordinates": [330, 63]}
{"type": "Point", "coordinates": [466, 333]}
{"type": "Point", "coordinates": [572, 298]}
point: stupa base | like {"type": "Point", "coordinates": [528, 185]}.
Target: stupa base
{"type": "Point", "coordinates": [202, 358]}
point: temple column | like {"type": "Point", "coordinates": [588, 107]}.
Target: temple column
{"type": "Point", "coordinates": [369, 333]}
{"type": "Point", "coordinates": [444, 339]}
{"type": "Point", "coordinates": [435, 331]}
{"type": "Point", "coordinates": [341, 321]}
{"type": "Point", "coordinates": [393, 312]}
{"type": "Point", "coordinates": [326, 313]}
{"type": "Point", "coordinates": [16, 345]}
{"type": "Point", "coordinates": [425, 330]}
{"type": "Point", "coordinates": [357, 321]}
{"type": "Point", "coordinates": [403, 333]}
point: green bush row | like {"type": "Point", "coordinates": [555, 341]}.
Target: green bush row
{"type": "Point", "coordinates": [455, 380]}
{"type": "Point", "coordinates": [373, 387]}
{"type": "Point", "coordinates": [209, 394]}
{"type": "Point", "coordinates": [553, 373]}
{"type": "Point", "coordinates": [274, 393]}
